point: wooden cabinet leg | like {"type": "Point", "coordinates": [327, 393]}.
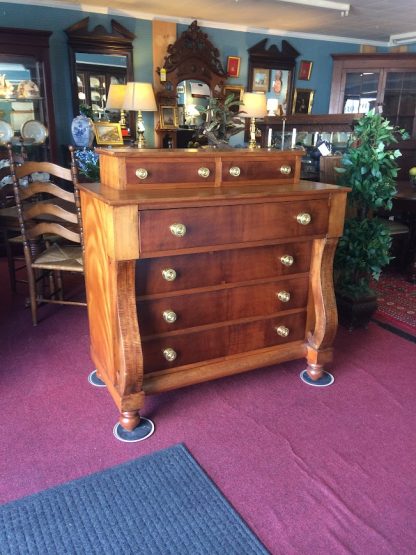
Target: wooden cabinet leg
{"type": "Point", "coordinates": [315, 371]}
{"type": "Point", "coordinates": [129, 419]}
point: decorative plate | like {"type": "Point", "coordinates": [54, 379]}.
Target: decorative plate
{"type": "Point", "coordinates": [94, 82]}
{"type": "Point", "coordinates": [6, 132]}
{"type": "Point", "coordinates": [27, 89]}
{"type": "Point", "coordinates": [34, 129]}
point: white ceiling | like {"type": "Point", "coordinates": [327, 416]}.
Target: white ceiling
{"type": "Point", "coordinates": [369, 21]}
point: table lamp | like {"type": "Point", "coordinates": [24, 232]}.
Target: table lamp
{"type": "Point", "coordinates": [140, 98]}
{"type": "Point", "coordinates": [115, 101]}
{"type": "Point", "coordinates": [254, 106]}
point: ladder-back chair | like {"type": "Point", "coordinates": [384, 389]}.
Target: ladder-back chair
{"type": "Point", "coordinates": [51, 229]}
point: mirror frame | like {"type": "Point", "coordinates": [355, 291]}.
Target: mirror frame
{"type": "Point", "coordinates": [273, 58]}
{"type": "Point", "coordinates": [118, 42]}
{"type": "Point", "coordinates": [194, 57]}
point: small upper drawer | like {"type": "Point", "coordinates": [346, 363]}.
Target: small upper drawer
{"type": "Point", "coordinates": [187, 228]}
{"type": "Point", "coordinates": [151, 171]}
{"type": "Point", "coordinates": [257, 170]}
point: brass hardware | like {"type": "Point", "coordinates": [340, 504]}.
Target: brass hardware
{"type": "Point", "coordinates": [169, 354]}
{"type": "Point", "coordinates": [169, 316]}
{"type": "Point", "coordinates": [203, 172]}
{"type": "Point", "coordinates": [141, 173]}
{"type": "Point", "coordinates": [283, 331]}
{"type": "Point", "coordinates": [178, 230]}
{"type": "Point", "coordinates": [304, 218]}
{"type": "Point", "coordinates": [235, 171]}
{"type": "Point", "coordinates": [169, 274]}
{"type": "Point", "coordinates": [287, 260]}
{"type": "Point", "coordinates": [285, 169]}
{"type": "Point", "coordinates": [283, 296]}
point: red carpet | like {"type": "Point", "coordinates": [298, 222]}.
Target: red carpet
{"type": "Point", "coordinates": [396, 302]}
{"type": "Point", "coordinates": [311, 471]}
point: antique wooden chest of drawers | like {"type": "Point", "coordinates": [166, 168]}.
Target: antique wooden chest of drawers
{"type": "Point", "coordinates": [201, 264]}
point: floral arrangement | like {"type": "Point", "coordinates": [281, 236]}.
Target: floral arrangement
{"type": "Point", "coordinates": [88, 163]}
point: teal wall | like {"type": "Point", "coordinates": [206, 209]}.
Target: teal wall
{"type": "Point", "coordinates": [229, 43]}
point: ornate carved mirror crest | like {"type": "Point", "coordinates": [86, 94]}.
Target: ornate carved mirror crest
{"type": "Point", "coordinates": [193, 56]}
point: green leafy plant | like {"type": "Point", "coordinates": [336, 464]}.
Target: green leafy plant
{"type": "Point", "coordinates": [369, 166]}
{"type": "Point", "coordinates": [222, 120]}
{"type": "Point", "coordinates": [86, 110]}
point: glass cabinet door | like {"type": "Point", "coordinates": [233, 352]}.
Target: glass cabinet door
{"type": "Point", "coordinates": [21, 98]}
{"type": "Point", "coordinates": [361, 89]}
{"type": "Point", "coordinates": [399, 105]}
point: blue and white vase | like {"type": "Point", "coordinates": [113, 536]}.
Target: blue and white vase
{"type": "Point", "coordinates": [82, 130]}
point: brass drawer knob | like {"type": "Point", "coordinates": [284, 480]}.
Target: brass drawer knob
{"type": "Point", "coordinates": [235, 171]}
{"type": "Point", "coordinates": [304, 218]}
{"type": "Point", "coordinates": [283, 331]}
{"type": "Point", "coordinates": [169, 274]}
{"type": "Point", "coordinates": [203, 172]}
{"type": "Point", "coordinates": [169, 316]}
{"type": "Point", "coordinates": [286, 260]}
{"type": "Point", "coordinates": [142, 173]}
{"type": "Point", "coordinates": [169, 354]}
{"type": "Point", "coordinates": [178, 230]}
{"type": "Point", "coordinates": [283, 296]}
{"type": "Point", "coordinates": [285, 169]}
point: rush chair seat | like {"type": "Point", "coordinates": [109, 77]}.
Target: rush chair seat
{"type": "Point", "coordinates": [57, 214]}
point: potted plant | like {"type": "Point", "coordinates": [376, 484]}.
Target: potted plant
{"type": "Point", "coordinates": [369, 166]}
{"type": "Point", "coordinates": [222, 121]}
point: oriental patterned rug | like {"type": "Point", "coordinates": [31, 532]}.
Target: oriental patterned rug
{"type": "Point", "coordinates": [396, 303]}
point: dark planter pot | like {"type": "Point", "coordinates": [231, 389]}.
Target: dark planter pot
{"type": "Point", "coordinates": [355, 313]}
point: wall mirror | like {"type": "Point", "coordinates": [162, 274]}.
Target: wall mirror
{"type": "Point", "coordinates": [98, 58]}
{"type": "Point", "coordinates": [271, 71]}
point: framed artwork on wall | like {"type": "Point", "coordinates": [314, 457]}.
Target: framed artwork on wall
{"type": "Point", "coordinates": [168, 117]}
{"type": "Point", "coordinates": [305, 70]}
{"type": "Point", "coordinates": [237, 91]}
{"type": "Point", "coordinates": [302, 101]}
{"type": "Point", "coordinates": [107, 133]}
{"type": "Point", "coordinates": [233, 66]}
{"type": "Point", "coordinates": [261, 78]}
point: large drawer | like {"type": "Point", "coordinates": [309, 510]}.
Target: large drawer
{"type": "Point", "coordinates": [151, 171]}
{"type": "Point", "coordinates": [232, 303]}
{"type": "Point", "coordinates": [181, 272]}
{"type": "Point", "coordinates": [217, 342]}
{"type": "Point", "coordinates": [187, 228]}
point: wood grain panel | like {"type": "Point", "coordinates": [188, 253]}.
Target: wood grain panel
{"type": "Point", "coordinates": [220, 267]}
{"type": "Point", "coordinates": [221, 341]}
{"type": "Point", "coordinates": [230, 224]}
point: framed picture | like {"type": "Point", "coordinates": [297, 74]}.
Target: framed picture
{"type": "Point", "coordinates": [107, 133]}
{"type": "Point", "coordinates": [261, 78]}
{"type": "Point", "coordinates": [237, 91]}
{"type": "Point", "coordinates": [168, 117]}
{"type": "Point", "coordinates": [302, 101]}
{"type": "Point", "coordinates": [233, 66]}
{"type": "Point", "coordinates": [305, 70]}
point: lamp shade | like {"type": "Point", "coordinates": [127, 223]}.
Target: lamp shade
{"type": "Point", "coordinates": [115, 99]}
{"type": "Point", "coordinates": [254, 105]}
{"type": "Point", "coordinates": [140, 96]}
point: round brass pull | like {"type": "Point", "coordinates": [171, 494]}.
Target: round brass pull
{"type": "Point", "coordinates": [142, 173]}
{"type": "Point", "coordinates": [169, 316]}
{"type": "Point", "coordinates": [283, 331]}
{"type": "Point", "coordinates": [203, 172]}
{"type": "Point", "coordinates": [304, 218]}
{"type": "Point", "coordinates": [283, 296]}
{"type": "Point", "coordinates": [287, 260]}
{"type": "Point", "coordinates": [169, 354]}
{"type": "Point", "coordinates": [169, 274]}
{"type": "Point", "coordinates": [178, 230]}
{"type": "Point", "coordinates": [235, 171]}
{"type": "Point", "coordinates": [285, 169]}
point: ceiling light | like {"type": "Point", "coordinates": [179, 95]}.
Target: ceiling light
{"type": "Point", "coordinates": [403, 38]}
{"type": "Point", "coordinates": [328, 4]}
